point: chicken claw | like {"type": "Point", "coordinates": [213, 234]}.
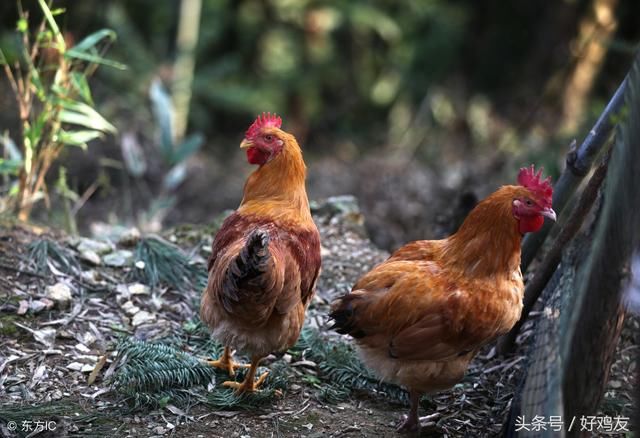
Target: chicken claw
{"type": "Point", "coordinates": [413, 424]}
{"type": "Point", "coordinates": [247, 385]}
{"type": "Point", "coordinates": [227, 363]}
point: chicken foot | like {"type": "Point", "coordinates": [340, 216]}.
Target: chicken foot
{"type": "Point", "coordinates": [249, 384]}
{"type": "Point", "coordinates": [411, 422]}
{"type": "Point", "coordinates": [227, 363]}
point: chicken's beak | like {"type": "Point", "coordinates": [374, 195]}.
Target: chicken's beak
{"type": "Point", "coordinates": [548, 212]}
{"type": "Point", "coordinates": [246, 144]}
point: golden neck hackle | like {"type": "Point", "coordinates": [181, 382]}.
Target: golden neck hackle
{"type": "Point", "coordinates": [488, 242]}
{"type": "Point", "coordinates": [277, 188]}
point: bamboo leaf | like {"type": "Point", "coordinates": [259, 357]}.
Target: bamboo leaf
{"type": "Point", "coordinates": [163, 112]}
{"type": "Point", "coordinates": [79, 113]}
{"type": "Point", "coordinates": [89, 57]}
{"type": "Point", "coordinates": [187, 148]}
{"type": "Point", "coordinates": [10, 146]}
{"type": "Point", "coordinates": [10, 167]}
{"type": "Point", "coordinates": [78, 138]}
{"type": "Point", "coordinates": [80, 84]}
{"type": "Point", "coordinates": [92, 40]}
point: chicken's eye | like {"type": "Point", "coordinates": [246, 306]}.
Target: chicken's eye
{"type": "Point", "coordinates": [268, 138]}
{"type": "Point", "coordinates": [529, 202]}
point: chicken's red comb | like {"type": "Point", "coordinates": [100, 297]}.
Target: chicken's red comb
{"type": "Point", "coordinates": [263, 121]}
{"type": "Point", "coordinates": [528, 178]}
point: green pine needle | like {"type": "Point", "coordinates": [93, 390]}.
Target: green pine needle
{"type": "Point", "coordinates": [154, 374]}
{"type": "Point", "coordinates": [166, 263]}
{"type": "Point", "coordinates": [45, 251]}
{"type": "Point", "coordinates": [341, 370]}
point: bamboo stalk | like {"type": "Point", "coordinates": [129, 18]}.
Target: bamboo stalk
{"type": "Point", "coordinates": [188, 28]}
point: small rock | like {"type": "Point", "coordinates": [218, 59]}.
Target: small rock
{"type": "Point", "coordinates": [305, 363]}
{"type": "Point", "coordinates": [82, 348]}
{"type": "Point", "coordinates": [140, 264]}
{"type": "Point", "coordinates": [119, 258]}
{"type": "Point", "coordinates": [129, 237]}
{"type": "Point", "coordinates": [88, 339]}
{"type": "Point", "coordinates": [142, 317]}
{"type": "Point", "coordinates": [159, 430]}
{"type": "Point", "coordinates": [82, 367]}
{"type": "Point", "coordinates": [130, 308]}
{"type": "Point", "coordinates": [139, 289]}
{"type": "Point", "coordinates": [123, 291]}
{"type": "Point", "coordinates": [23, 306]}
{"type": "Point", "coordinates": [38, 306]}
{"type": "Point", "coordinates": [91, 275]}
{"type": "Point", "coordinates": [45, 336]}
{"type": "Point", "coordinates": [91, 257]}
{"type": "Point", "coordinates": [95, 246]}
{"type": "Point", "coordinates": [60, 293]}
{"type": "Point", "coordinates": [343, 204]}
{"type": "Point", "coordinates": [75, 366]}
{"type": "Point", "coordinates": [295, 387]}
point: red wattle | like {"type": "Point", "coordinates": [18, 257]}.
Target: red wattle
{"type": "Point", "coordinates": [257, 156]}
{"type": "Point", "coordinates": [530, 224]}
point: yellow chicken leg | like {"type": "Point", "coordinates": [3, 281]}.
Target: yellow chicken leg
{"type": "Point", "coordinates": [227, 363]}
{"type": "Point", "coordinates": [249, 384]}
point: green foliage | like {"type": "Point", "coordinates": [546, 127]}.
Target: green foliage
{"type": "Point", "coordinates": [166, 263]}
{"type": "Point", "coordinates": [174, 154]}
{"type": "Point", "coordinates": [345, 62]}
{"type": "Point", "coordinates": [45, 254]}
{"type": "Point", "coordinates": [170, 371]}
{"type": "Point", "coordinates": [150, 367]}
{"type": "Point", "coordinates": [341, 370]}
{"type": "Point", "coordinates": [55, 107]}
{"type": "Point", "coordinates": [154, 374]}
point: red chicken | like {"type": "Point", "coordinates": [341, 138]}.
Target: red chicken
{"type": "Point", "coordinates": [266, 256]}
{"type": "Point", "coordinates": [421, 316]}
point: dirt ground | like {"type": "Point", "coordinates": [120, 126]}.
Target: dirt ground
{"type": "Point", "coordinates": [49, 350]}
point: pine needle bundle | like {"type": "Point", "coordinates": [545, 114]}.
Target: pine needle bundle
{"type": "Point", "coordinates": [154, 374]}
{"type": "Point", "coordinates": [44, 253]}
{"type": "Point", "coordinates": [341, 370]}
{"type": "Point", "coordinates": [163, 262]}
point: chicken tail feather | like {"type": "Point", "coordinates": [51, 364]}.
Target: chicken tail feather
{"type": "Point", "coordinates": [247, 267]}
{"type": "Point", "coordinates": [343, 315]}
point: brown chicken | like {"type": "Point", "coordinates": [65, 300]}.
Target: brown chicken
{"type": "Point", "coordinates": [266, 256]}
{"type": "Point", "coordinates": [421, 316]}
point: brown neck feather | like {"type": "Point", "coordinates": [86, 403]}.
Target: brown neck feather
{"type": "Point", "coordinates": [488, 242]}
{"type": "Point", "coordinates": [277, 188]}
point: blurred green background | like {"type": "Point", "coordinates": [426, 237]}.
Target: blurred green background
{"type": "Point", "coordinates": [417, 107]}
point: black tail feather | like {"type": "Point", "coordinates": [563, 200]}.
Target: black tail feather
{"type": "Point", "coordinates": [251, 262]}
{"type": "Point", "coordinates": [343, 314]}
